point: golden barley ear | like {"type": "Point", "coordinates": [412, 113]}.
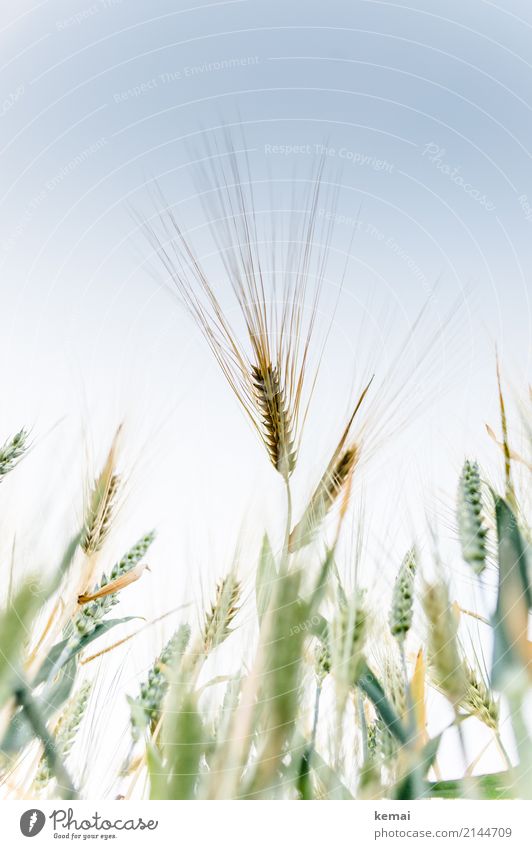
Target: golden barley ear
{"type": "Point", "coordinates": [329, 488]}
{"type": "Point", "coordinates": [276, 289]}
{"type": "Point", "coordinates": [99, 515]}
{"type": "Point", "coordinates": [334, 480]}
{"type": "Point", "coordinates": [100, 511]}
{"type": "Point", "coordinates": [277, 433]}
{"type": "Point", "coordinates": [223, 610]}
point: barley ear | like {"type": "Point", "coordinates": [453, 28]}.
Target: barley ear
{"type": "Point", "coordinates": [219, 617]}
{"type": "Point", "coordinates": [336, 479]}
{"type": "Point", "coordinates": [12, 451]}
{"type": "Point", "coordinates": [275, 419]}
{"type": "Point", "coordinates": [478, 700]}
{"type": "Point", "coordinates": [146, 708]}
{"type": "Point", "coordinates": [65, 732]}
{"type": "Point", "coordinates": [348, 635]}
{"type": "Point", "coordinates": [443, 653]}
{"type": "Point", "coordinates": [100, 512]}
{"type": "Point", "coordinates": [403, 598]}
{"type": "Point", "coordinates": [102, 499]}
{"type": "Point", "coordinates": [91, 614]}
{"type": "Point", "coordinates": [329, 488]}
{"type": "Point", "coordinates": [471, 527]}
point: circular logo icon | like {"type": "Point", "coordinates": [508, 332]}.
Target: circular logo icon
{"type": "Point", "coordinates": [32, 822]}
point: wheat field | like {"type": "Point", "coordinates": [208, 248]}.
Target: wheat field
{"type": "Point", "coordinates": [334, 689]}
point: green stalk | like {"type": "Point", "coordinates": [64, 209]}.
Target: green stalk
{"type": "Point", "coordinates": [26, 701]}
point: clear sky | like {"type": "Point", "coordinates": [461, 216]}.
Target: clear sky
{"type": "Point", "coordinates": [422, 113]}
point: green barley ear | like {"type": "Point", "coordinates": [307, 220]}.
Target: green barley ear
{"type": "Point", "coordinates": [395, 684]}
{"type": "Point", "coordinates": [443, 652]}
{"type": "Point", "coordinates": [223, 610]}
{"type": "Point", "coordinates": [395, 688]}
{"type": "Point", "coordinates": [65, 732]}
{"type": "Point", "coordinates": [348, 638]}
{"type": "Point", "coordinates": [478, 699]}
{"type": "Point", "coordinates": [371, 741]}
{"type": "Point", "coordinates": [91, 614]}
{"type": "Point", "coordinates": [472, 529]}
{"type": "Point", "coordinates": [11, 452]}
{"type": "Point", "coordinates": [322, 661]}
{"type": "Point", "coordinates": [403, 598]}
{"type": "Point", "coordinates": [146, 708]}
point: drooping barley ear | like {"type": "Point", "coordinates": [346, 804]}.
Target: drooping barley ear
{"type": "Point", "coordinates": [11, 452]}
{"type": "Point", "coordinates": [277, 430]}
{"type": "Point", "coordinates": [443, 652]}
{"type": "Point", "coordinates": [471, 526]}
{"type": "Point", "coordinates": [478, 700]}
{"type": "Point", "coordinates": [65, 732]}
{"type": "Point", "coordinates": [91, 614]}
{"type": "Point", "coordinates": [146, 708]}
{"type": "Point", "coordinates": [223, 610]}
{"type": "Point", "coordinates": [403, 598]}
{"type": "Point", "coordinates": [100, 512]}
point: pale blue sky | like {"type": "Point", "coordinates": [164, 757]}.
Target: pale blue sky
{"type": "Point", "coordinates": [426, 116]}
